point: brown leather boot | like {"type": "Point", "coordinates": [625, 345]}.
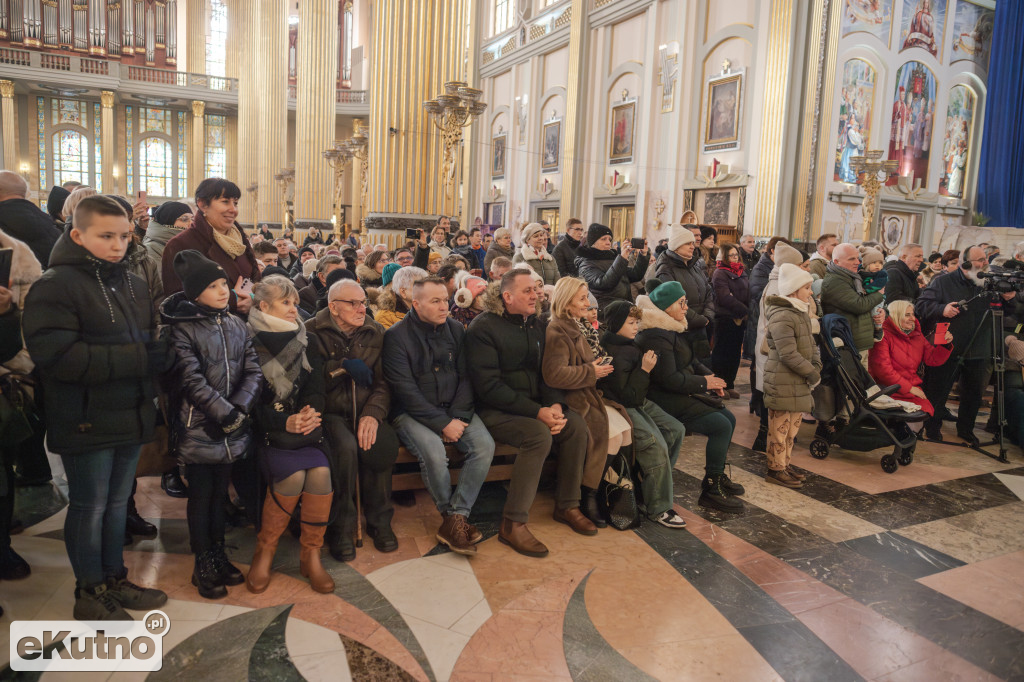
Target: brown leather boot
{"type": "Point", "coordinates": [454, 534]}
{"type": "Point", "coordinates": [316, 509]}
{"type": "Point", "coordinates": [795, 474]}
{"type": "Point", "coordinates": [275, 521]}
{"type": "Point", "coordinates": [782, 478]}
{"type": "Point", "coordinates": [517, 536]}
{"type": "Point", "coordinates": [575, 519]}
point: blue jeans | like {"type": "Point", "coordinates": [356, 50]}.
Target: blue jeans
{"type": "Point", "coordinates": [428, 448]}
{"type": "Point", "coordinates": [99, 485]}
{"type": "Point", "coordinates": [657, 437]}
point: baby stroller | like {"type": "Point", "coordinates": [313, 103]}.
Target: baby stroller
{"type": "Point", "coordinates": [844, 410]}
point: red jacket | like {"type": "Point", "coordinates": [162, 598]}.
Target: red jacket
{"type": "Point", "coordinates": [896, 358]}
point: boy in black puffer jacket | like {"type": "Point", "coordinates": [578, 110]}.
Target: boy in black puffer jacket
{"type": "Point", "coordinates": [217, 375]}
{"type": "Point", "coordinates": [657, 436]}
{"type": "Point", "coordinates": [88, 325]}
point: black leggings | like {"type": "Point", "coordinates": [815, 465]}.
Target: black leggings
{"type": "Point", "coordinates": [207, 489]}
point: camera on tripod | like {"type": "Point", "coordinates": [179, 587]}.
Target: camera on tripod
{"type": "Point", "coordinates": [1002, 281]}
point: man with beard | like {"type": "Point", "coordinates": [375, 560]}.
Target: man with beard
{"type": "Point", "coordinates": [939, 303]}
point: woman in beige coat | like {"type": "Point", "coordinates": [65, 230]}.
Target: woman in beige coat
{"type": "Point", "coordinates": [573, 362]}
{"type": "Point", "coordinates": [792, 370]}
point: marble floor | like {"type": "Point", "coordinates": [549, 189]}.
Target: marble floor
{"type": "Point", "coordinates": [860, 575]}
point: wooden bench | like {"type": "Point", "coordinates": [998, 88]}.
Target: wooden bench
{"type": "Point", "coordinates": [406, 474]}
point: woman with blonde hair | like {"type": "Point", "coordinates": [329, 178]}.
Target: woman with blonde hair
{"type": "Point", "coordinates": [574, 361]}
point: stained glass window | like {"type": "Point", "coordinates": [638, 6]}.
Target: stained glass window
{"type": "Point", "coordinates": [69, 111]}
{"type": "Point", "coordinates": [70, 157]}
{"type": "Point", "coordinates": [155, 164]}
{"type": "Point", "coordinates": [502, 15]}
{"type": "Point", "coordinates": [97, 132]}
{"type": "Point", "coordinates": [217, 39]}
{"type": "Point", "coordinates": [129, 175]}
{"type": "Point", "coordinates": [216, 152]}
{"type": "Point", "coordinates": [154, 121]}
{"type": "Point", "coordinates": [182, 157]}
{"type": "Point", "coordinates": [41, 135]}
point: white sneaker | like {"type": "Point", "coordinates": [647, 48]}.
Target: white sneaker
{"type": "Point", "coordinates": [670, 519]}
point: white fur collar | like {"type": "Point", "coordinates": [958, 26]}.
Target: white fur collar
{"type": "Point", "coordinates": [656, 318]}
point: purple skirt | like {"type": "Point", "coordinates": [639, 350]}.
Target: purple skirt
{"type": "Point", "coordinates": [278, 464]}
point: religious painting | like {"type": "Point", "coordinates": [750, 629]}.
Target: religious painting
{"type": "Point", "coordinates": [496, 214]}
{"type": "Point", "coordinates": [620, 148]}
{"type": "Point", "coordinates": [552, 140]}
{"type": "Point", "coordinates": [856, 97]}
{"type": "Point", "coordinates": [897, 228]}
{"type": "Point", "coordinates": [913, 113]}
{"type": "Point", "coordinates": [956, 143]}
{"type": "Point", "coordinates": [923, 25]}
{"type": "Point", "coordinates": [716, 208]}
{"type": "Point", "coordinates": [867, 16]}
{"type": "Point", "coordinates": [722, 124]}
{"type": "Point", "coordinates": [972, 33]}
{"type": "Point", "coordinates": [498, 145]}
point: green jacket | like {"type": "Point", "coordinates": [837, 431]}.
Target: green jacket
{"type": "Point", "coordinates": [842, 293]}
{"type": "Point", "coordinates": [793, 362]}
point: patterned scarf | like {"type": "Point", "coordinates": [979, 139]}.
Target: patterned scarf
{"type": "Point", "coordinates": [736, 267]}
{"type": "Point", "coordinates": [281, 370]}
{"type": "Point", "coordinates": [232, 243]}
{"type": "Point", "coordinates": [592, 338]}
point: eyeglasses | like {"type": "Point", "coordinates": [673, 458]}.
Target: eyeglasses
{"type": "Point", "coordinates": [404, 259]}
{"type": "Point", "coordinates": [354, 304]}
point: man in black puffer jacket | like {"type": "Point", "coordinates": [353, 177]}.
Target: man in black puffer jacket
{"type": "Point", "coordinates": [606, 272]}
{"type": "Point", "coordinates": [506, 345]}
{"type": "Point", "coordinates": [565, 250]}
{"type": "Point", "coordinates": [902, 283]}
{"type": "Point", "coordinates": [432, 404]}
{"type": "Point", "coordinates": [23, 220]}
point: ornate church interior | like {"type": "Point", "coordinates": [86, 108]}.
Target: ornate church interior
{"type": "Point", "coordinates": [891, 124]}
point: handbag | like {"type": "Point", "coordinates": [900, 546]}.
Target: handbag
{"type": "Point", "coordinates": [284, 440]}
{"type": "Point", "coordinates": [619, 494]}
{"type": "Point", "coordinates": [710, 399]}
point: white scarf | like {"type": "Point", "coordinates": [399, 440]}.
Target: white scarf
{"type": "Point", "coordinates": [529, 253]}
{"type": "Point", "coordinates": [797, 303]}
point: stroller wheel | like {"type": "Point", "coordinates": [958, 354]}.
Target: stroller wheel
{"type": "Point", "coordinates": [889, 464]}
{"type": "Point", "coordinates": [905, 457]}
{"type": "Point", "coordinates": [819, 448]}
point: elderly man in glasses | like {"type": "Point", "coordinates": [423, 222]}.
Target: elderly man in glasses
{"type": "Point", "coordinates": [346, 345]}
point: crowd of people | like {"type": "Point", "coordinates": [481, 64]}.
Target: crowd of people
{"type": "Point", "coordinates": [294, 373]}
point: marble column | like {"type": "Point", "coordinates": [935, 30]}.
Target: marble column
{"type": "Point", "coordinates": [272, 106]}
{"type": "Point", "coordinates": [574, 132]}
{"type": "Point", "coordinates": [197, 145]}
{"type": "Point", "coordinates": [197, 14]}
{"type": "Point", "coordinates": [315, 110]}
{"type": "Point", "coordinates": [107, 141]}
{"type": "Point", "coordinates": [406, 187]}
{"type": "Point", "coordinates": [355, 182]}
{"type": "Point", "coordinates": [10, 146]}
{"type": "Point", "coordinates": [232, 65]}
{"type": "Point", "coordinates": [248, 111]}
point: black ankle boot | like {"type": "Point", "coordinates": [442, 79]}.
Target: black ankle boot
{"type": "Point", "coordinates": [207, 578]}
{"type": "Point", "coordinates": [135, 524]}
{"type": "Point", "coordinates": [761, 440]}
{"type": "Point", "coordinates": [732, 487]}
{"type": "Point", "coordinates": [229, 573]}
{"type": "Point", "coordinates": [588, 505]}
{"type": "Point", "coordinates": [173, 485]}
{"type": "Point", "coordinates": [713, 495]}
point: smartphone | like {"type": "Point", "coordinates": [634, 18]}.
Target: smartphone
{"type": "Point", "coordinates": [142, 196]}
{"type": "Point", "coordinates": [6, 260]}
{"type": "Point", "coordinates": [606, 360]}
{"type": "Point", "coordinates": [243, 287]}
{"type": "Point", "coordinates": [940, 333]}
{"type": "Point", "coordinates": [637, 243]}
{"type": "Point", "coordinates": [412, 233]}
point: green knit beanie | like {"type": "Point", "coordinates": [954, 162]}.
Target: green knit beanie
{"type": "Point", "coordinates": [664, 294]}
{"type": "Point", "coordinates": [389, 273]}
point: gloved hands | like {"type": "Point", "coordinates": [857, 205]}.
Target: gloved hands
{"type": "Point", "coordinates": [235, 421]}
{"type": "Point", "coordinates": [359, 371]}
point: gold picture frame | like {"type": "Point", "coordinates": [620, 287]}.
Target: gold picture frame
{"type": "Point", "coordinates": [723, 117]}
{"type": "Point", "coordinates": [621, 130]}
{"type": "Point", "coordinates": [551, 146]}
{"type": "Point", "coordinates": [499, 147]}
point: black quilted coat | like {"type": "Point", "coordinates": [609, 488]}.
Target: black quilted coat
{"type": "Point", "coordinates": [216, 371]}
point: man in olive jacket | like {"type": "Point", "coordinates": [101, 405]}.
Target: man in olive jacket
{"type": "Point", "coordinates": [843, 292]}
{"type": "Point", "coordinates": [350, 343]}
{"type": "Point", "coordinates": [506, 345]}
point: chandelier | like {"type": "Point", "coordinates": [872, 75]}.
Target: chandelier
{"type": "Point", "coordinates": [451, 111]}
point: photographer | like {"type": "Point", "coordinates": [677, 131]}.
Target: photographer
{"type": "Point", "coordinates": [955, 298]}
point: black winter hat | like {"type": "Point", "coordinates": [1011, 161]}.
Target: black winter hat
{"type": "Point", "coordinates": [707, 231]}
{"type": "Point", "coordinates": [196, 272]}
{"type": "Point", "coordinates": [55, 202]}
{"type": "Point", "coordinates": [167, 212]}
{"type": "Point", "coordinates": [273, 270]}
{"type": "Point", "coordinates": [338, 274]}
{"type": "Point", "coordinates": [125, 204]}
{"type": "Point", "coordinates": [596, 231]}
{"type": "Point", "coordinates": [615, 315]}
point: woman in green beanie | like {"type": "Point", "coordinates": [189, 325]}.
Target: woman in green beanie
{"type": "Point", "coordinates": [684, 387]}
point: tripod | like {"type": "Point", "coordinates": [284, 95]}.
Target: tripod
{"type": "Point", "coordinates": [994, 315]}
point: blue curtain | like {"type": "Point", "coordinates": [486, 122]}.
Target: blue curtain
{"type": "Point", "coordinates": [1001, 173]}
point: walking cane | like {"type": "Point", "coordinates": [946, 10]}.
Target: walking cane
{"type": "Point", "coordinates": [355, 431]}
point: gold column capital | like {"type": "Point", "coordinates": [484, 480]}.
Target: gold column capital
{"type": "Point", "coordinates": [7, 88]}
{"type": "Point", "coordinates": [198, 108]}
{"type": "Point", "coordinates": [107, 98]}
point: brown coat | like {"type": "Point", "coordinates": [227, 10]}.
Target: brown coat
{"type": "Point", "coordinates": [566, 366]}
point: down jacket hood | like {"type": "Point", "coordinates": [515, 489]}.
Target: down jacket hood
{"type": "Point", "coordinates": [179, 308]}
{"type": "Point", "coordinates": [494, 304]}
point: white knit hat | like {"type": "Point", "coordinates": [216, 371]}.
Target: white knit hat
{"type": "Point", "coordinates": [784, 253]}
{"type": "Point", "coordinates": [678, 236]}
{"type": "Point", "coordinates": [791, 278]}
